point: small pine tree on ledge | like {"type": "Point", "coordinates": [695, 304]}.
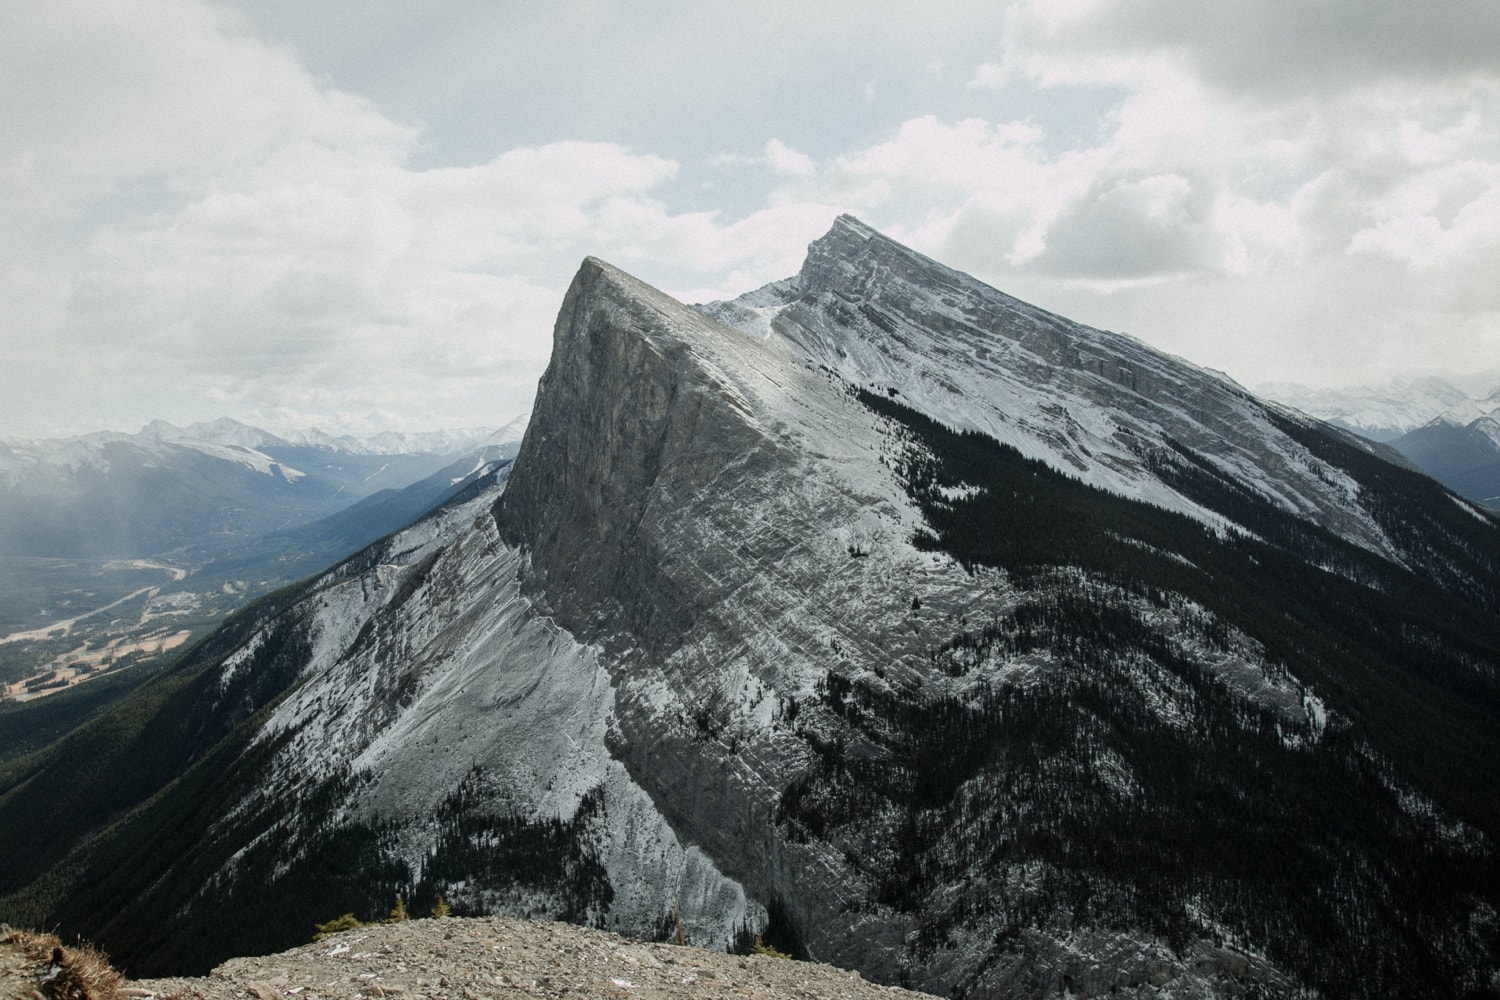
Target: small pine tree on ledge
{"type": "Point", "coordinates": [347, 922]}
{"type": "Point", "coordinates": [440, 909]}
{"type": "Point", "coordinates": [761, 948]}
{"type": "Point", "coordinates": [398, 912]}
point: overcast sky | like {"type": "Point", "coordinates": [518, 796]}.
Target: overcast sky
{"type": "Point", "coordinates": [363, 215]}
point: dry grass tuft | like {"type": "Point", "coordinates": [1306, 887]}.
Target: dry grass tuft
{"type": "Point", "coordinates": [79, 973]}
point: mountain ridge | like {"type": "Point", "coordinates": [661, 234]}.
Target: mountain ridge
{"type": "Point", "coordinates": [1077, 398]}
{"type": "Point", "coordinates": [228, 433]}
{"type": "Point", "coordinates": [166, 488]}
{"type": "Point", "coordinates": [759, 628]}
{"type": "Point", "coordinates": [1463, 457]}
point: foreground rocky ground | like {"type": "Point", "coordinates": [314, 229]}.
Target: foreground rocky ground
{"type": "Point", "coordinates": [495, 957]}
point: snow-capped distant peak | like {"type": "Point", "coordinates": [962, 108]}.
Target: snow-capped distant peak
{"type": "Point", "coordinates": [233, 433]}
{"type": "Point", "coordinates": [1490, 427]}
{"type": "Point", "coordinates": [1384, 413]}
{"type": "Point", "coordinates": [511, 432]}
{"type": "Point", "coordinates": [312, 437]}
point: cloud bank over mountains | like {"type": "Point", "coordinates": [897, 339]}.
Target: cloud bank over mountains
{"type": "Point", "coordinates": [366, 219]}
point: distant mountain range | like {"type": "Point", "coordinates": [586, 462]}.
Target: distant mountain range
{"type": "Point", "coordinates": [1463, 457]}
{"type": "Point", "coordinates": [116, 549]}
{"type": "Point", "coordinates": [1384, 413]}
{"type": "Point", "coordinates": [1450, 433]}
{"type": "Point", "coordinates": [205, 486]}
{"type": "Point", "coordinates": [232, 433]}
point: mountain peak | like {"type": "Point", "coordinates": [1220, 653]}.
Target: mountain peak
{"type": "Point", "coordinates": [851, 259]}
{"type": "Point", "coordinates": [1443, 420]}
{"type": "Point", "coordinates": [634, 406]}
{"type": "Point", "coordinates": [1090, 403]}
{"type": "Point", "coordinates": [753, 638]}
{"type": "Point", "coordinates": [1489, 427]}
{"type": "Point", "coordinates": [161, 430]}
{"type": "Point", "coordinates": [852, 228]}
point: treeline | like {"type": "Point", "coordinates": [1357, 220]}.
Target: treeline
{"type": "Point", "coordinates": [1413, 663]}
{"type": "Point", "coordinates": [1124, 787]}
{"type": "Point", "coordinates": [1121, 785]}
{"type": "Point", "coordinates": [483, 859]}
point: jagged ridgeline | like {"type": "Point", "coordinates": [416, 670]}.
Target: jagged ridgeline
{"type": "Point", "coordinates": [917, 629]}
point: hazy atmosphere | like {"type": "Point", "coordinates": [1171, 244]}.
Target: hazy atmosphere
{"type": "Point", "coordinates": [363, 216]}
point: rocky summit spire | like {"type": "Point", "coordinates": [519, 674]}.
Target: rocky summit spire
{"type": "Point", "coordinates": [633, 415]}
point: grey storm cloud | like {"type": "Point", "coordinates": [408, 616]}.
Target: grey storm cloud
{"type": "Point", "coordinates": [1133, 227]}
{"type": "Point", "coordinates": [1278, 47]}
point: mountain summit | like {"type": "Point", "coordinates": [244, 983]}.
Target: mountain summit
{"type": "Point", "coordinates": [908, 625]}
{"type": "Point", "coordinates": [1094, 405]}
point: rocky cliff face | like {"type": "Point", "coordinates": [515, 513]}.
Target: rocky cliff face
{"type": "Point", "coordinates": [756, 561]}
{"type": "Point", "coordinates": [636, 420]}
{"type": "Point", "coordinates": [1092, 404]}
{"type": "Point", "coordinates": [933, 635]}
{"type": "Point", "coordinates": [693, 510]}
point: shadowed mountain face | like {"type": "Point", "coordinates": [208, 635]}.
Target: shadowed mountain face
{"type": "Point", "coordinates": [1463, 457]}
{"type": "Point", "coordinates": [934, 635]}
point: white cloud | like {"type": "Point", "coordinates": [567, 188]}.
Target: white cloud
{"type": "Point", "coordinates": [1274, 49]}
{"type": "Point", "coordinates": [189, 219]}
{"type": "Point", "coordinates": [1126, 208]}
{"type": "Point", "coordinates": [989, 76]}
{"type": "Point", "coordinates": [1266, 229]}
{"type": "Point", "coordinates": [317, 268]}
{"type": "Point", "coordinates": [99, 96]}
{"type": "Point", "coordinates": [784, 160]}
{"type": "Point", "coordinates": [777, 157]}
{"type": "Point", "coordinates": [1130, 227]}
{"type": "Point", "coordinates": [284, 257]}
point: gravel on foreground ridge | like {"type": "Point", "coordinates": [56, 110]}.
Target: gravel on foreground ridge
{"type": "Point", "coordinates": [483, 957]}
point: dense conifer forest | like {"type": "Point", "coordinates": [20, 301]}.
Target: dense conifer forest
{"type": "Point", "coordinates": [1057, 786]}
